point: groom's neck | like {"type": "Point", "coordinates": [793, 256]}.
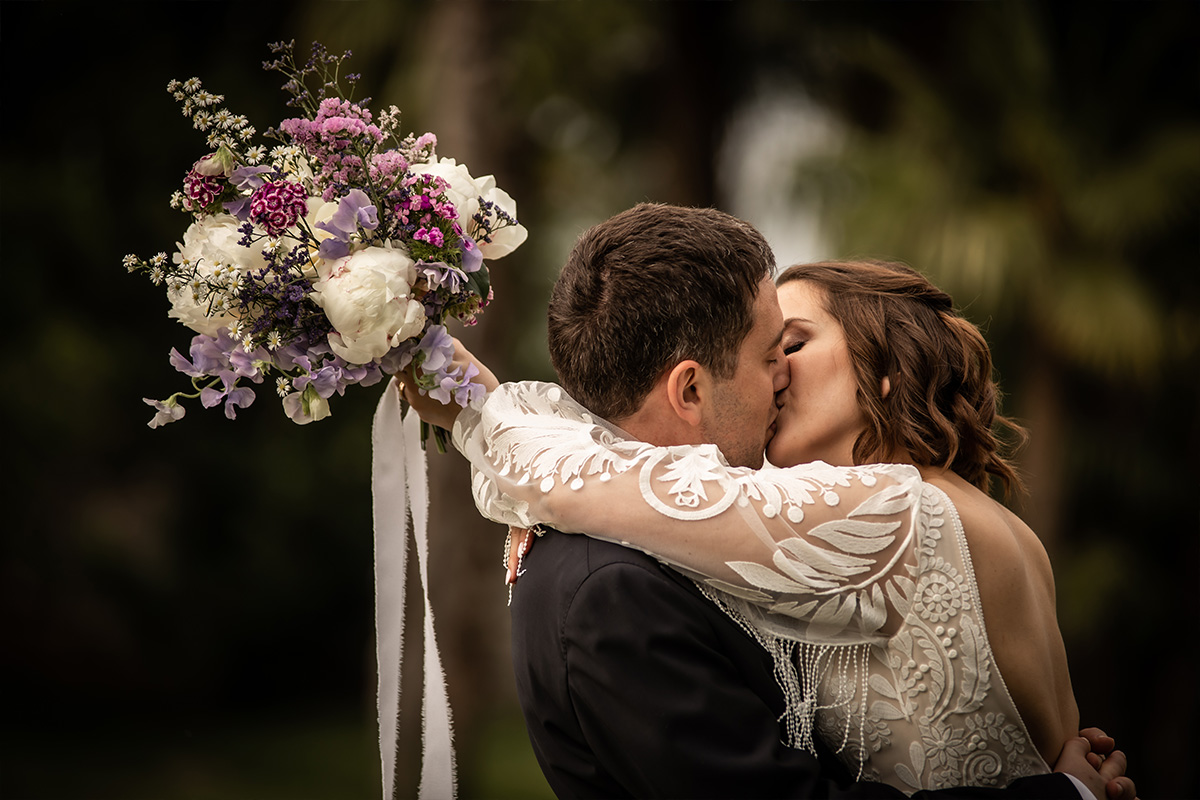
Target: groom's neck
{"type": "Point", "coordinates": [656, 424]}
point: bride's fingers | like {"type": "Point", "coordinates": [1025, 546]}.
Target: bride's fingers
{"type": "Point", "coordinates": [1121, 789]}
{"type": "Point", "coordinates": [1099, 741]}
{"type": "Point", "coordinates": [1114, 766]}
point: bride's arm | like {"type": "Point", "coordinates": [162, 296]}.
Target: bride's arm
{"type": "Point", "coordinates": [831, 547]}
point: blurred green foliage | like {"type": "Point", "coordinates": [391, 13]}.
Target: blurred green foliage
{"type": "Point", "coordinates": [188, 611]}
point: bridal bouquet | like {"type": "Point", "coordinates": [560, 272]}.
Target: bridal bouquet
{"type": "Point", "coordinates": [330, 259]}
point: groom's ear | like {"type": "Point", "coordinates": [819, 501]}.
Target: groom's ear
{"type": "Point", "coordinates": [688, 388]}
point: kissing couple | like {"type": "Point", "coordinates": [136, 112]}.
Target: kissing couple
{"type": "Point", "coordinates": [767, 562]}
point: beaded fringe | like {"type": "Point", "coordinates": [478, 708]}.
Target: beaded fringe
{"type": "Point", "coordinates": [800, 670]}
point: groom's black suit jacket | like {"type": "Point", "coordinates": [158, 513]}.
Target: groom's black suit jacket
{"type": "Point", "coordinates": [633, 684]}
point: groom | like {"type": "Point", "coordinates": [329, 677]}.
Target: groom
{"type": "Point", "coordinates": [633, 684]}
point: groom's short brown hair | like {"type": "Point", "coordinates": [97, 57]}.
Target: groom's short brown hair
{"type": "Point", "coordinates": [646, 289]}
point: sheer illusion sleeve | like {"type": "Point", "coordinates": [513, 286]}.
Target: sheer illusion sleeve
{"type": "Point", "coordinates": [830, 548]}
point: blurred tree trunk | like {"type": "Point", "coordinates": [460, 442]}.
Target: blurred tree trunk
{"type": "Point", "coordinates": [466, 580]}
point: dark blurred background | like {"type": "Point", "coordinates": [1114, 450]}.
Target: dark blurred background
{"type": "Point", "coordinates": [187, 612]}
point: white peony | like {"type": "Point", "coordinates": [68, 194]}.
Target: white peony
{"type": "Point", "coordinates": [367, 297]}
{"type": "Point", "coordinates": [464, 193]}
{"type": "Point", "coordinates": [211, 245]}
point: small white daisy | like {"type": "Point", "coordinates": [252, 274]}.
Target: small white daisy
{"type": "Point", "coordinates": [283, 387]}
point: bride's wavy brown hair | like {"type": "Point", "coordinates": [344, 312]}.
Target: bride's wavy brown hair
{"type": "Point", "coordinates": [942, 409]}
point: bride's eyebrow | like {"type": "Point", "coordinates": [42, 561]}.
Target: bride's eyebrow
{"type": "Point", "coordinates": [787, 323]}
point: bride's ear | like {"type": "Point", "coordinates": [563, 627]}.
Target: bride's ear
{"type": "Point", "coordinates": [687, 386]}
{"type": "Point", "coordinates": [885, 386]}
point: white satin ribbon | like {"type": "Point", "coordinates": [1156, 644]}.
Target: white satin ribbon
{"type": "Point", "coordinates": [399, 485]}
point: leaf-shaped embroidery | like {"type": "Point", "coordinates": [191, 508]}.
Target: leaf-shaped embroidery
{"type": "Point", "coordinates": [794, 609]}
{"type": "Point", "coordinates": [906, 587]}
{"type": "Point", "coordinates": [874, 610]}
{"type": "Point", "coordinates": [820, 560]}
{"type": "Point", "coordinates": [689, 472]}
{"type": "Point", "coordinates": [884, 710]}
{"type": "Point", "coordinates": [835, 613]}
{"type": "Point", "coordinates": [916, 753]}
{"type": "Point", "coordinates": [884, 687]}
{"type": "Point", "coordinates": [856, 536]}
{"type": "Point", "coordinates": [934, 659]}
{"type": "Point", "coordinates": [975, 666]}
{"type": "Point", "coordinates": [889, 501]}
{"type": "Point", "coordinates": [765, 578]}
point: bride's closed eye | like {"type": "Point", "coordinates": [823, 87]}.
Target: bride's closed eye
{"type": "Point", "coordinates": [792, 348]}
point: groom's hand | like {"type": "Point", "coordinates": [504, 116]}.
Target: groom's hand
{"type": "Point", "coordinates": [1107, 783]}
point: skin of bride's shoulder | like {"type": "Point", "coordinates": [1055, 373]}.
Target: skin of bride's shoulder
{"type": "Point", "coordinates": [1016, 587]}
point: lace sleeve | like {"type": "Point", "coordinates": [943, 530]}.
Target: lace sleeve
{"type": "Point", "coordinates": [832, 548]}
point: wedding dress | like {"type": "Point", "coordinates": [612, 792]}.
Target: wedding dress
{"type": "Point", "coordinates": [858, 580]}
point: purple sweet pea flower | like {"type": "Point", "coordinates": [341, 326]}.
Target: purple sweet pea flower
{"type": "Point", "coordinates": [238, 208]}
{"type": "Point", "coordinates": [247, 179]}
{"type": "Point", "coordinates": [439, 274]}
{"type": "Point", "coordinates": [208, 356]}
{"type": "Point", "coordinates": [396, 359]}
{"type": "Point", "coordinates": [324, 381]}
{"type": "Point", "coordinates": [234, 396]}
{"type": "Point", "coordinates": [472, 255]}
{"type": "Point", "coordinates": [354, 211]}
{"type": "Point", "coordinates": [246, 364]}
{"type": "Point", "coordinates": [166, 411]}
{"type": "Point", "coordinates": [438, 348]}
{"type": "Point", "coordinates": [457, 386]}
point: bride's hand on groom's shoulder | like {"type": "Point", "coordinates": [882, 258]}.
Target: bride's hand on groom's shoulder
{"type": "Point", "coordinates": [434, 411]}
{"type": "Point", "coordinates": [1093, 759]}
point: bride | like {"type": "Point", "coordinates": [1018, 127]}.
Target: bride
{"type": "Point", "coordinates": [930, 655]}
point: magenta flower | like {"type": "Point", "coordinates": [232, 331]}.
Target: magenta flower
{"type": "Point", "coordinates": [201, 190]}
{"type": "Point", "coordinates": [431, 235]}
{"type": "Point", "coordinates": [278, 205]}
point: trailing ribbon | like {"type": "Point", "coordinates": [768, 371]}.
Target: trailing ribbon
{"type": "Point", "coordinates": [400, 486]}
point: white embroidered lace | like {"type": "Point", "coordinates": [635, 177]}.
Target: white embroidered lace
{"type": "Point", "coordinates": [858, 565]}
